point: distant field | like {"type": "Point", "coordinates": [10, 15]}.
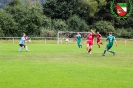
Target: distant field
{"type": "Point", "coordinates": [65, 66]}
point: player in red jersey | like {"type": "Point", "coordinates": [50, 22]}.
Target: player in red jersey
{"type": "Point", "coordinates": [99, 37]}
{"type": "Point", "coordinates": [89, 41]}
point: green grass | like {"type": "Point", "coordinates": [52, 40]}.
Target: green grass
{"type": "Point", "coordinates": [65, 66]}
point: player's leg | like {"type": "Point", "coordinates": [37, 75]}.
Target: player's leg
{"type": "Point", "coordinates": [78, 43]}
{"type": "Point", "coordinates": [98, 43]}
{"type": "Point", "coordinates": [111, 51]}
{"type": "Point", "coordinates": [26, 47]}
{"type": "Point", "coordinates": [101, 43]}
{"type": "Point", "coordinates": [90, 47]}
{"type": "Point", "coordinates": [21, 47]}
{"type": "Point", "coordinates": [87, 47]}
{"type": "Point", "coordinates": [106, 49]}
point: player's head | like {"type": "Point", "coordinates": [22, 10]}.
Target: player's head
{"type": "Point", "coordinates": [24, 35]}
{"type": "Point", "coordinates": [98, 32]}
{"type": "Point", "coordinates": [110, 33]}
{"type": "Point", "coordinates": [77, 32]}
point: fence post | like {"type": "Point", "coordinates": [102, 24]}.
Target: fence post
{"type": "Point", "coordinates": [13, 39]}
{"type": "Point", "coordinates": [58, 38]}
{"type": "Point", "coordinates": [45, 40]}
{"type": "Point", "coordinates": [61, 40]}
{"type": "Point", "coordinates": [125, 42]}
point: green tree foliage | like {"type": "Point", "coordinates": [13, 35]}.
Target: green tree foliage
{"type": "Point", "coordinates": [35, 19]}
{"type": "Point", "coordinates": [123, 33]}
{"type": "Point", "coordinates": [47, 32]}
{"type": "Point", "coordinates": [63, 9]}
{"type": "Point", "coordinates": [93, 6]}
{"type": "Point", "coordinates": [1, 33]}
{"type": "Point", "coordinates": [47, 22]}
{"type": "Point", "coordinates": [59, 24]}
{"type": "Point", "coordinates": [57, 9]}
{"type": "Point", "coordinates": [29, 17]}
{"type": "Point", "coordinates": [76, 24]}
{"type": "Point", "coordinates": [7, 24]}
{"type": "Point", "coordinates": [104, 27]}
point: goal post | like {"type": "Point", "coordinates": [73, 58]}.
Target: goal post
{"type": "Point", "coordinates": [69, 34]}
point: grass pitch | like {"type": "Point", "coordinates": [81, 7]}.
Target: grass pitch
{"type": "Point", "coordinates": [65, 66]}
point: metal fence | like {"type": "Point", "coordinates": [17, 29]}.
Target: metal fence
{"type": "Point", "coordinates": [55, 40]}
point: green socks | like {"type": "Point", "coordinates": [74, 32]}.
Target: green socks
{"type": "Point", "coordinates": [80, 46]}
{"type": "Point", "coordinates": [104, 52]}
{"type": "Point", "coordinates": [111, 51]}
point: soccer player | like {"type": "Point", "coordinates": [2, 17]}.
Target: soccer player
{"type": "Point", "coordinates": [22, 42]}
{"type": "Point", "coordinates": [99, 37]}
{"type": "Point", "coordinates": [79, 38]}
{"type": "Point", "coordinates": [110, 40]}
{"type": "Point", "coordinates": [89, 41]}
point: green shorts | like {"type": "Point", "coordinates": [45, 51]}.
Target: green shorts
{"type": "Point", "coordinates": [78, 42]}
{"type": "Point", "coordinates": [108, 46]}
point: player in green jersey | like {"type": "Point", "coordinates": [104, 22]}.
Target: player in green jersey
{"type": "Point", "coordinates": [110, 40]}
{"type": "Point", "coordinates": [79, 39]}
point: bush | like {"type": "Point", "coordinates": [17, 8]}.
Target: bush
{"type": "Point", "coordinates": [59, 24]}
{"type": "Point", "coordinates": [1, 33]}
{"type": "Point", "coordinates": [7, 24]}
{"type": "Point", "coordinates": [47, 32]}
{"type": "Point", "coordinates": [75, 23]}
{"type": "Point", "coordinates": [104, 27]}
{"type": "Point", "coordinates": [123, 33]}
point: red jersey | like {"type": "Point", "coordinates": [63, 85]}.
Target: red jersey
{"type": "Point", "coordinates": [90, 37]}
{"type": "Point", "coordinates": [99, 36]}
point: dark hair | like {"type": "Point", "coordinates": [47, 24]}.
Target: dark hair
{"type": "Point", "coordinates": [23, 34]}
{"type": "Point", "coordinates": [110, 33]}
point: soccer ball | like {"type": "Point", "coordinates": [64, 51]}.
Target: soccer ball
{"type": "Point", "coordinates": [26, 37]}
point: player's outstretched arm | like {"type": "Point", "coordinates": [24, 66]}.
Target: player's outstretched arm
{"type": "Point", "coordinates": [116, 43]}
{"type": "Point", "coordinates": [26, 39]}
{"type": "Point", "coordinates": [93, 32]}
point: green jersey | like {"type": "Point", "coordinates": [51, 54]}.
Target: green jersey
{"type": "Point", "coordinates": [110, 39]}
{"type": "Point", "coordinates": [78, 37]}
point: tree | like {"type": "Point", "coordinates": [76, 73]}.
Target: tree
{"type": "Point", "coordinates": [77, 24]}
{"type": "Point", "coordinates": [57, 9]}
{"type": "Point", "coordinates": [47, 32]}
{"type": "Point", "coordinates": [34, 19]}
{"type": "Point", "coordinates": [1, 33]}
{"type": "Point", "coordinates": [104, 27]}
{"type": "Point", "coordinates": [59, 24]}
{"type": "Point", "coordinates": [28, 16]}
{"type": "Point", "coordinates": [7, 24]}
{"type": "Point", "coordinates": [93, 6]}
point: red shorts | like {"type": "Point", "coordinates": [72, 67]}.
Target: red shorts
{"type": "Point", "coordinates": [90, 43]}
